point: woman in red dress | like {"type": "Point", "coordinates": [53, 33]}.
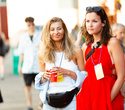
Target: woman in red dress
{"type": "Point", "coordinates": [105, 67]}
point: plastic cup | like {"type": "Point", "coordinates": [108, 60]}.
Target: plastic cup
{"type": "Point", "coordinates": [53, 77]}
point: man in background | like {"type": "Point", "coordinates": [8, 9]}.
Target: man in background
{"type": "Point", "coordinates": [28, 61]}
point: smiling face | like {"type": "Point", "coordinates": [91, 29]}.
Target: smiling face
{"type": "Point", "coordinates": [56, 31]}
{"type": "Point", "coordinates": [93, 23]}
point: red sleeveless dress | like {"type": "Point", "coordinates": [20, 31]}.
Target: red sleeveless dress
{"type": "Point", "coordinates": [96, 94]}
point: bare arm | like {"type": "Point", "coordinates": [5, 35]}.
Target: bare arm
{"type": "Point", "coordinates": [79, 38]}
{"type": "Point", "coordinates": [42, 69]}
{"type": "Point", "coordinates": [118, 56]}
{"type": "Point", "coordinates": [83, 50]}
{"type": "Point", "coordinates": [80, 59]}
{"type": "Point", "coordinates": [20, 62]}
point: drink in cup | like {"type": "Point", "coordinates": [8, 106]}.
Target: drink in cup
{"type": "Point", "coordinates": [54, 78]}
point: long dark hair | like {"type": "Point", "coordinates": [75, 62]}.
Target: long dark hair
{"type": "Point", "coordinates": [106, 32]}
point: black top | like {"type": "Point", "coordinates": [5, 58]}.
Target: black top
{"type": "Point", "coordinates": [31, 37]}
{"type": "Point", "coordinates": [1, 42]}
{"type": "Point", "coordinates": [1, 47]}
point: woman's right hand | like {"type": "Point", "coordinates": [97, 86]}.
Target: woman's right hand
{"type": "Point", "coordinates": [45, 76]}
{"type": "Point", "coordinates": [20, 69]}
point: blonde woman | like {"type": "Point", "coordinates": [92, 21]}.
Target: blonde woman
{"type": "Point", "coordinates": [59, 56]}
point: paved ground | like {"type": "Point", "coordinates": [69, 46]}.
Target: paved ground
{"type": "Point", "coordinates": [12, 88]}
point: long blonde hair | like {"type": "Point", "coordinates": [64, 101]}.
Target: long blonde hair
{"type": "Point", "coordinates": [47, 51]}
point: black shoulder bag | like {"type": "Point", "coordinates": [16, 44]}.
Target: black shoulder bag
{"type": "Point", "coordinates": [93, 50]}
{"type": "Point", "coordinates": [61, 100]}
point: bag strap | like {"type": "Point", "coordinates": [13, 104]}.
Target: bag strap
{"type": "Point", "coordinates": [93, 50]}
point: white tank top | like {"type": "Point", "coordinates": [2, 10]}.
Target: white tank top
{"type": "Point", "coordinates": [66, 84]}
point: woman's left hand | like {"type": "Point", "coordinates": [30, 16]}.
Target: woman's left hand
{"type": "Point", "coordinates": [63, 71]}
{"type": "Point", "coordinates": [60, 70]}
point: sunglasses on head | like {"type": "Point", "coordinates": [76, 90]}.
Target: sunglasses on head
{"type": "Point", "coordinates": [96, 9]}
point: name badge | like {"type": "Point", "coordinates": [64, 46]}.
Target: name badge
{"type": "Point", "coordinates": [98, 71]}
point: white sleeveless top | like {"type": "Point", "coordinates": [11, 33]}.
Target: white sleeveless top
{"type": "Point", "coordinates": [66, 84]}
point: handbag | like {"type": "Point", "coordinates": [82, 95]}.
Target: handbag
{"type": "Point", "coordinates": [61, 100]}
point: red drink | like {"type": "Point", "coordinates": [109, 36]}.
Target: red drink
{"type": "Point", "coordinates": [53, 77]}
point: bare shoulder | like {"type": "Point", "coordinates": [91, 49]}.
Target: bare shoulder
{"type": "Point", "coordinates": [77, 49]}
{"type": "Point", "coordinates": [78, 56]}
{"type": "Point", "coordinates": [113, 44]}
{"type": "Point", "coordinates": [113, 41]}
{"type": "Point", "coordinates": [84, 46]}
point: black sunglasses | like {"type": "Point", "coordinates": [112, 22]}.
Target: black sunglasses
{"type": "Point", "coordinates": [96, 9]}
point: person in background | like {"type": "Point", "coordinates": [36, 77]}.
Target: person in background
{"type": "Point", "coordinates": [75, 31]}
{"type": "Point", "coordinates": [80, 39]}
{"type": "Point", "coordinates": [101, 88]}
{"type": "Point", "coordinates": [28, 49]}
{"type": "Point", "coordinates": [2, 42]}
{"type": "Point", "coordinates": [124, 41]}
{"type": "Point", "coordinates": [60, 57]}
{"type": "Point", "coordinates": [118, 30]}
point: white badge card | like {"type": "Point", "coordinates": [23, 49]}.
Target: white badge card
{"type": "Point", "coordinates": [98, 71]}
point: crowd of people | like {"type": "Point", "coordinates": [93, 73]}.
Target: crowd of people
{"type": "Point", "coordinates": [87, 73]}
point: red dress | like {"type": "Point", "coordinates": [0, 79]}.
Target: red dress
{"type": "Point", "coordinates": [96, 94]}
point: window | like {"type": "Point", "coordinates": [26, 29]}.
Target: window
{"type": "Point", "coordinates": [2, 2]}
{"type": "Point", "coordinates": [67, 4]}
